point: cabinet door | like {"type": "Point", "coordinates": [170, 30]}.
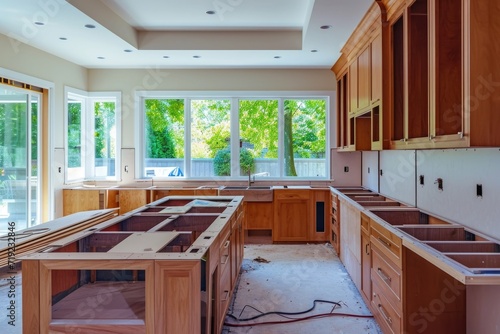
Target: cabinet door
{"type": "Point", "coordinates": [259, 215]}
{"type": "Point", "coordinates": [364, 79]}
{"type": "Point", "coordinates": [376, 69]}
{"type": "Point", "coordinates": [291, 217]}
{"type": "Point", "coordinates": [366, 263]}
{"type": "Point", "coordinates": [353, 87]}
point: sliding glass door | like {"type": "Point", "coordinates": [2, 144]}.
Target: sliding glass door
{"type": "Point", "coordinates": [19, 163]}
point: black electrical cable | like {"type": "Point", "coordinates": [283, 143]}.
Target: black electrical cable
{"type": "Point", "coordinates": [284, 314]}
{"type": "Point", "coordinates": [262, 314]}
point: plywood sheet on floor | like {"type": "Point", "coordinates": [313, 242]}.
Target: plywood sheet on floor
{"type": "Point", "coordinates": [295, 276]}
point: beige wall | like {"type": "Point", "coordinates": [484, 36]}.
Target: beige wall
{"type": "Point", "coordinates": [30, 61]}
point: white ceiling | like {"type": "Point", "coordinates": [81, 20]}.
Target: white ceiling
{"type": "Point", "coordinates": [180, 34]}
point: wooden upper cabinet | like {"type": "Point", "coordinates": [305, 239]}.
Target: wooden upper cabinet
{"type": "Point", "coordinates": [364, 79]}
{"type": "Point", "coordinates": [353, 87]}
{"type": "Point", "coordinates": [482, 72]}
{"type": "Point", "coordinates": [376, 69]}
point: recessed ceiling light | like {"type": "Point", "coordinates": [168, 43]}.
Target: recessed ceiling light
{"type": "Point", "coordinates": [63, 38]}
{"type": "Point", "coordinates": [90, 26]}
{"type": "Point", "coordinates": [101, 57]}
{"type": "Point", "coordinates": [38, 23]}
{"type": "Point", "coordinates": [210, 12]}
{"type": "Point", "coordinates": [326, 27]}
{"type": "Point", "coordinates": [314, 50]}
{"type": "Point", "coordinates": [127, 50]}
{"type": "Point", "coordinates": [196, 56]}
{"type": "Point", "coordinates": [277, 57]}
{"type": "Point", "coordinates": [166, 57]}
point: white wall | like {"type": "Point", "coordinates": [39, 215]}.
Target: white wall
{"type": "Point", "coordinates": [24, 59]}
{"type": "Point", "coordinates": [370, 170]}
{"type": "Point", "coordinates": [346, 168]}
{"type": "Point", "coordinates": [461, 170]}
{"type": "Point", "coordinates": [398, 175]}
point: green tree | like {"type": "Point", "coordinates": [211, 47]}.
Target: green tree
{"type": "Point", "coordinates": [259, 126]}
{"type": "Point", "coordinates": [210, 128]}
{"type": "Point", "coordinates": [222, 161]}
{"type": "Point", "coordinates": [104, 118]}
{"type": "Point", "coordinates": [165, 128]}
{"type": "Point", "coordinates": [74, 134]}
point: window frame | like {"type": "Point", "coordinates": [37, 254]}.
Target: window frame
{"type": "Point", "coordinates": [87, 170]}
{"type": "Point", "coordinates": [234, 96]}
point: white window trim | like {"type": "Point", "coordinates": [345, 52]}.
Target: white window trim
{"type": "Point", "coordinates": [141, 95]}
{"type": "Point", "coordinates": [88, 157]}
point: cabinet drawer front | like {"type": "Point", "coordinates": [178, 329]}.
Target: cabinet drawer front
{"type": "Point", "coordinates": [387, 276]}
{"type": "Point", "coordinates": [291, 194]}
{"type": "Point", "coordinates": [387, 317]}
{"type": "Point", "coordinates": [225, 255]}
{"type": "Point", "coordinates": [386, 241]}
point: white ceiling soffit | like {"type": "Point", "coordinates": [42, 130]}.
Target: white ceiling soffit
{"type": "Point", "coordinates": [186, 34]}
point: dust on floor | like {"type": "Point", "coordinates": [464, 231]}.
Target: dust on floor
{"type": "Point", "coordinates": [294, 277]}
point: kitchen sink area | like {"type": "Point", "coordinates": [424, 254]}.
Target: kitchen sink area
{"type": "Point", "coordinates": [249, 193]}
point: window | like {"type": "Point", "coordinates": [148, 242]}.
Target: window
{"type": "Point", "coordinates": [258, 120]}
{"type": "Point", "coordinates": [210, 138]}
{"type": "Point", "coordinates": [164, 137]}
{"type": "Point", "coordinates": [20, 149]}
{"type": "Point", "coordinates": [221, 137]}
{"type": "Point", "coordinates": [92, 140]}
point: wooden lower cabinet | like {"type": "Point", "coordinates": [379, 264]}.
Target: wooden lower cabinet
{"type": "Point", "coordinates": [84, 199]}
{"type": "Point", "coordinates": [174, 280]}
{"type": "Point", "coordinates": [409, 294]}
{"type": "Point", "coordinates": [435, 302]}
{"type": "Point", "coordinates": [319, 226]}
{"type": "Point", "coordinates": [366, 260]}
{"type": "Point", "coordinates": [335, 222]}
{"type": "Point", "coordinates": [259, 215]}
{"type": "Point", "coordinates": [366, 282]}
{"type": "Point", "coordinates": [291, 215]}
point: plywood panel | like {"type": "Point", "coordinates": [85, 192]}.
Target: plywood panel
{"type": "Point", "coordinates": [132, 199]}
{"type": "Point", "coordinates": [76, 200]}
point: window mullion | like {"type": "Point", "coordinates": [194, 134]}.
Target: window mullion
{"type": "Point", "coordinates": [281, 138]}
{"type": "Point", "coordinates": [89, 139]}
{"type": "Point", "coordinates": [187, 137]}
{"type": "Point", "coordinates": [235, 138]}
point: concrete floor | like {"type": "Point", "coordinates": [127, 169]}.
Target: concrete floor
{"type": "Point", "coordinates": [295, 276]}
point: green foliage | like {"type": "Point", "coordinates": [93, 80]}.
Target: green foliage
{"type": "Point", "coordinates": [104, 119]}
{"type": "Point", "coordinates": [74, 134]}
{"type": "Point", "coordinates": [210, 127]}
{"type": "Point", "coordinates": [259, 126]}
{"type": "Point", "coordinates": [222, 161]}
{"type": "Point", "coordinates": [164, 128]}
